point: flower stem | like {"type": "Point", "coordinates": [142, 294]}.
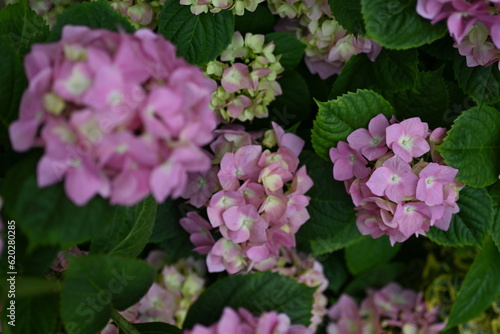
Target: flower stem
{"type": "Point", "coordinates": [122, 323]}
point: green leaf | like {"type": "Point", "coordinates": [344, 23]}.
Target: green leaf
{"type": "Point", "coordinates": [168, 234]}
{"type": "Point", "coordinates": [393, 71]}
{"type": "Point", "coordinates": [129, 230]}
{"type": "Point", "coordinates": [348, 14]}
{"type": "Point", "coordinates": [397, 25]}
{"type": "Point", "coordinates": [473, 146]}
{"type": "Point", "coordinates": [157, 328]}
{"type": "Point", "coordinates": [94, 284]}
{"type": "Point", "coordinates": [259, 22]}
{"type": "Point", "coordinates": [335, 270]}
{"type": "Point", "coordinates": [336, 119]}
{"type": "Point", "coordinates": [96, 15]}
{"type": "Point", "coordinates": [479, 288]}
{"type": "Point", "coordinates": [377, 277]}
{"type": "Point", "coordinates": [481, 83]}
{"type": "Point", "coordinates": [35, 315]}
{"type": "Point", "coordinates": [290, 49]}
{"type": "Point", "coordinates": [428, 101]}
{"type": "Point", "coordinates": [369, 253]}
{"type": "Point", "coordinates": [199, 38]}
{"type": "Point", "coordinates": [495, 196]}
{"type": "Point", "coordinates": [46, 215]}
{"type": "Point", "coordinates": [258, 293]}
{"type": "Point", "coordinates": [12, 84]}
{"type": "Point", "coordinates": [332, 224]}
{"type": "Point", "coordinates": [22, 27]}
{"type": "Point", "coordinates": [470, 226]}
{"type": "Point", "coordinates": [294, 104]}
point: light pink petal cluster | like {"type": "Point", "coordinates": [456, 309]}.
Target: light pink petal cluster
{"type": "Point", "coordinates": [259, 204]}
{"type": "Point", "coordinates": [242, 321]}
{"type": "Point", "coordinates": [394, 193]}
{"type": "Point", "coordinates": [389, 309]}
{"type": "Point", "coordinates": [475, 26]}
{"type": "Point", "coordinates": [117, 115]}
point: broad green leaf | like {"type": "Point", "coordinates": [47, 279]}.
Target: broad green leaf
{"type": "Point", "coordinates": [369, 253]}
{"type": "Point", "coordinates": [441, 49]}
{"type": "Point", "coordinates": [473, 146]}
{"type": "Point", "coordinates": [261, 21]}
{"type": "Point", "coordinates": [290, 49]}
{"type": "Point", "coordinates": [336, 119]}
{"type": "Point", "coordinates": [258, 293]}
{"type": "Point", "coordinates": [335, 270]}
{"type": "Point", "coordinates": [495, 196]}
{"type": "Point", "coordinates": [480, 287]}
{"type": "Point", "coordinates": [129, 230]}
{"type": "Point", "coordinates": [348, 14]}
{"type": "Point", "coordinates": [157, 328]}
{"type": "Point", "coordinates": [397, 25]}
{"type": "Point", "coordinates": [481, 83]}
{"type": "Point", "coordinates": [22, 27]}
{"type": "Point", "coordinates": [12, 84]}
{"type": "Point", "coordinates": [35, 261]}
{"type": "Point", "coordinates": [470, 226]}
{"type": "Point", "coordinates": [428, 101]}
{"type": "Point", "coordinates": [199, 38]}
{"type": "Point", "coordinates": [46, 215]}
{"type": "Point", "coordinates": [377, 277]}
{"type": "Point", "coordinates": [294, 104]}
{"type": "Point", "coordinates": [34, 315]}
{"type": "Point", "coordinates": [168, 234]}
{"type": "Point", "coordinates": [96, 15]}
{"type": "Point", "coordinates": [393, 71]}
{"type": "Point", "coordinates": [94, 284]}
{"type": "Point", "coordinates": [332, 224]}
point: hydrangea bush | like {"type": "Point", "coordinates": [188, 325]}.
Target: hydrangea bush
{"type": "Point", "coordinates": [250, 166]}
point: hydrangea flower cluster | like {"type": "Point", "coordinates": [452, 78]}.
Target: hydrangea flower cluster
{"type": "Point", "coordinates": [118, 115]}
{"type": "Point", "coordinates": [328, 45]}
{"type": "Point", "coordinates": [246, 74]}
{"type": "Point", "coordinates": [244, 322]}
{"type": "Point", "coordinates": [305, 270]}
{"type": "Point", "coordinates": [261, 203]}
{"type": "Point", "coordinates": [238, 7]}
{"type": "Point", "coordinates": [176, 288]}
{"type": "Point", "coordinates": [141, 13]}
{"type": "Point", "coordinates": [394, 193]}
{"type": "Point", "coordinates": [475, 26]}
{"type": "Point", "coordinates": [389, 309]}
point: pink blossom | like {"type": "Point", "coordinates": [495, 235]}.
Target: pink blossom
{"type": "Point", "coordinates": [288, 140]}
{"type": "Point", "coordinates": [433, 178]}
{"type": "Point", "coordinates": [199, 230]}
{"type": "Point", "coordinates": [371, 142]}
{"type": "Point", "coordinates": [244, 224]}
{"type": "Point", "coordinates": [412, 218]}
{"type": "Point", "coordinates": [407, 139]}
{"type": "Point", "coordinates": [347, 163]}
{"type": "Point", "coordinates": [394, 179]}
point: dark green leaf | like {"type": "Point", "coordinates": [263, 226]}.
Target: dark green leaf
{"type": "Point", "coordinates": [96, 15]}
{"type": "Point", "coordinates": [397, 25]}
{"type": "Point", "coordinates": [22, 27]}
{"type": "Point", "coordinates": [480, 287]}
{"type": "Point", "coordinates": [374, 278]}
{"type": "Point", "coordinates": [94, 284]}
{"type": "Point", "coordinates": [332, 224]}
{"type": "Point", "coordinates": [129, 230]}
{"type": "Point", "coordinates": [495, 196]}
{"type": "Point", "coordinates": [348, 14]}
{"type": "Point", "coordinates": [369, 253]}
{"type": "Point", "coordinates": [470, 226]}
{"type": "Point", "coordinates": [392, 71]}
{"type": "Point", "coordinates": [482, 83]}
{"type": "Point", "coordinates": [290, 49]}
{"type": "Point", "coordinates": [46, 215]}
{"type": "Point", "coordinates": [157, 328]}
{"type": "Point", "coordinates": [335, 270]}
{"type": "Point", "coordinates": [259, 22]}
{"type": "Point", "coordinates": [336, 119]}
{"type": "Point", "coordinates": [258, 293]}
{"type": "Point", "coordinates": [35, 315]}
{"type": "Point", "coordinates": [294, 104]}
{"type": "Point", "coordinates": [473, 146]}
{"type": "Point", "coordinates": [12, 84]}
{"type": "Point", "coordinates": [428, 101]}
{"type": "Point", "coordinates": [199, 38]}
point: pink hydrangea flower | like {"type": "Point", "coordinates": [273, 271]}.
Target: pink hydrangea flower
{"type": "Point", "coordinates": [406, 139]}
{"type": "Point", "coordinates": [433, 178]}
{"type": "Point", "coordinates": [199, 230]}
{"type": "Point", "coordinates": [118, 115]}
{"type": "Point", "coordinates": [347, 163]}
{"type": "Point", "coordinates": [371, 142]}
